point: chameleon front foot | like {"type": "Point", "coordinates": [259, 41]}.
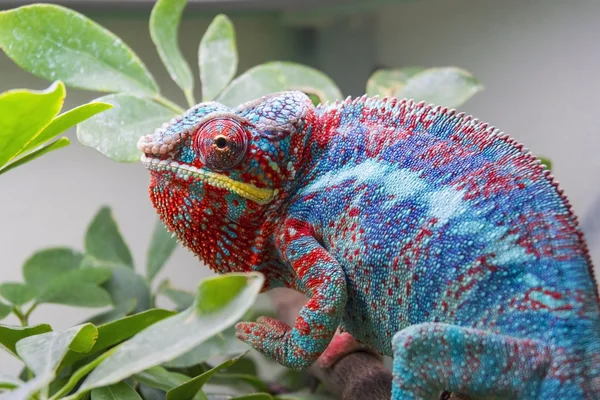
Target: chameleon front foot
{"type": "Point", "coordinates": [274, 340]}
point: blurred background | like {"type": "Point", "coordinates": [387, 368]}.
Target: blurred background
{"type": "Point", "coordinates": [538, 61]}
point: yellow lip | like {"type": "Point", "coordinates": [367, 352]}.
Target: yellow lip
{"type": "Point", "coordinates": [246, 190]}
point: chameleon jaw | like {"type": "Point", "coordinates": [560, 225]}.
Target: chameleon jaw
{"type": "Point", "coordinates": [188, 172]}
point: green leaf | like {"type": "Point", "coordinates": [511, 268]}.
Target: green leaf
{"type": "Point", "coordinates": [125, 284]}
{"type": "Point", "coordinates": [8, 382]}
{"type": "Point", "coordinates": [181, 298]}
{"type": "Point", "coordinates": [68, 120]}
{"type": "Point", "coordinates": [78, 288]}
{"type": "Point", "coordinates": [24, 114]}
{"type": "Point", "coordinates": [223, 344]}
{"type": "Point", "coordinates": [43, 354]}
{"type": "Point", "coordinates": [217, 57]}
{"type": "Point", "coordinates": [255, 396]}
{"type": "Point", "coordinates": [10, 335]}
{"type": "Point", "coordinates": [103, 239]}
{"type": "Point", "coordinates": [547, 162]}
{"type": "Point", "coordinates": [150, 393]}
{"type": "Point", "coordinates": [178, 334]}
{"type": "Point", "coordinates": [120, 311]}
{"type": "Point", "coordinates": [17, 293]}
{"type": "Point", "coordinates": [211, 298]}
{"type": "Point", "coordinates": [390, 82]}
{"type": "Point", "coordinates": [245, 365]}
{"type": "Point", "coordinates": [278, 76]}
{"type": "Point", "coordinates": [44, 265]}
{"type": "Point", "coordinates": [5, 310]}
{"type": "Point", "coordinates": [189, 389]}
{"type": "Point", "coordinates": [304, 395]}
{"type": "Point", "coordinates": [115, 133]}
{"type": "Point", "coordinates": [115, 332]}
{"type": "Point", "coordinates": [161, 247]}
{"type": "Point", "coordinates": [54, 42]}
{"type": "Point", "coordinates": [57, 144]}
{"type": "Point", "coordinates": [118, 391]}
{"type": "Point", "coordinates": [79, 374]}
{"type": "Point", "coordinates": [159, 378]}
{"type": "Point", "coordinates": [230, 379]}
{"type": "Point", "coordinates": [448, 87]}
{"type": "Point", "coordinates": [45, 351]}
{"type": "Point", "coordinates": [164, 25]}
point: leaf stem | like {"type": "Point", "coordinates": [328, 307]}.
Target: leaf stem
{"type": "Point", "coordinates": [189, 97]}
{"type": "Point", "coordinates": [22, 317]}
{"type": "Point", "coordinates": [28, 313]}
{"type": "Point", "coordinates": [169, 104]}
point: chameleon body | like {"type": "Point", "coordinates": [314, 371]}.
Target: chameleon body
{"type": "Point", "coordinates": [426, 234]}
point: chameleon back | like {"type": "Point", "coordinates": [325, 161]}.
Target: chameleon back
{"type": "Point", "coordinates": [437, 217]}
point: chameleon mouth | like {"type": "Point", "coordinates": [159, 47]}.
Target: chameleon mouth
{"type": "Point", "coordinates": [188, 172]}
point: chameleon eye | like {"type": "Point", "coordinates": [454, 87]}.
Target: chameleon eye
{"type": "Point", "coordinates": [220, 143]}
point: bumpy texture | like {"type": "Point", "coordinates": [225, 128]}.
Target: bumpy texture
{"type": "Point", "coordinates": [426, 234]}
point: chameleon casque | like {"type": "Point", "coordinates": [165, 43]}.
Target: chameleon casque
{"type": "Point", "coordinates": [426, 234]}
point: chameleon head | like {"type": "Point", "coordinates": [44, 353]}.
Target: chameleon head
{"type": "Point", "coordinates": [217, 172]}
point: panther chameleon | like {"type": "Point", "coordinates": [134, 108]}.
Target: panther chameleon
{"type": "Point", "coordinates": [424, 233]}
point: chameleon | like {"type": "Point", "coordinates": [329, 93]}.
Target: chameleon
{"type": "Point", "coordinates": [424, 233]}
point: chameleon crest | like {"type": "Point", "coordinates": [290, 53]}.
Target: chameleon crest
{"type": "Point", "coordinates": [427, 235]}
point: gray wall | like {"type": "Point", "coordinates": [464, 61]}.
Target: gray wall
{"type": "Point", "coordinates": [538, 60]}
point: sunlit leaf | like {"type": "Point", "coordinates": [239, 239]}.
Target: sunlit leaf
{"type": "Point", "coordinates": [57, 144]}
{"type": "Point", "coordinates": [68, 120]}
{"type": "Point", "coordinates": [115, 133]}
{"type": "Point", "coordinates": [448, 87]}
{"type": "Point", "coordinates": [24, 114]}
{"type": "Point", "coordinates": [161, 247]}
{"type": "Point", "coordinates": [173, 336]}
{"type": "Point", "coordinates": [164, 25]}
{"type": "Point", "coordinates": [275, 77]}
{"type": "Point", "coordinates": [390, 82]}
{"type": "Point", "coordinates": [54, 42]}
{"type": "Point", "coordinates": [217, 57]}
{"type": "Point", "coordinates": [103, 239]}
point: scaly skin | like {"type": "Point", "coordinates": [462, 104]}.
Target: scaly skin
{"type": "Point", "coordinates": [427, 235]}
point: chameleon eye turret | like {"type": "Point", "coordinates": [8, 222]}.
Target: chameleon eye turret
{"type": "Point", "coordinates": [220, 143]}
